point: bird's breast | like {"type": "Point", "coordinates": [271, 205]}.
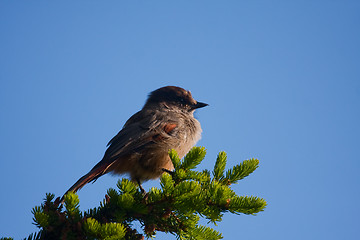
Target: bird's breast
{"type": "Point", "coordinates": [190, 134]}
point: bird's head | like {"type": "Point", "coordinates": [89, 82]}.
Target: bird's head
{"type": "Point", "coordinates": [174, 96]}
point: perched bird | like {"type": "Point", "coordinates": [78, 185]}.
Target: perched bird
{"type": "Point", "coordinates": [141, 148]}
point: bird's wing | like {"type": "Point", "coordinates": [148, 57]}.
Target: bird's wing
{"type": "Point", "coordinates": [140, 131]}
{"type": "Point", "coordinates": [143, 128]}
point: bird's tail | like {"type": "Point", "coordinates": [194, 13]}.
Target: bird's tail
{"type": "Point", "coordinates": [91, 176]}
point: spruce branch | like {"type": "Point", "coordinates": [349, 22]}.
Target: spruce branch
{"type": "Point", "coordinates": [193, 158]}
{"type": "Point", "coordinates": [219, 167]}
{"type": "Point", "coordinates": [241, 171]}
{"type": "Point", "coordinates": [184, 197]}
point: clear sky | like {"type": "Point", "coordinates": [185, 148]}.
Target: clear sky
{"type": "Point", "coordinates": [282, 79]}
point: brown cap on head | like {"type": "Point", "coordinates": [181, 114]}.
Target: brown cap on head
{"type": "Point", "coordinates": [175, 96]}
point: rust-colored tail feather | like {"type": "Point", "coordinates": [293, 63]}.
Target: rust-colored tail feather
{"type": "Point", "coordinates": [95, 173]}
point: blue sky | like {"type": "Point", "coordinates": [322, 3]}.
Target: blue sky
{"type": "Point", "coordinates": [282, 79]}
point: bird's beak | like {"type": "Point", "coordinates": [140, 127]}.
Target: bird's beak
{"type": "Point", "coordinates": [199, 105]}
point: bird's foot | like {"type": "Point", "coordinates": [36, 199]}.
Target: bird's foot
{"type": "Point", "coordinates": [143, 192]}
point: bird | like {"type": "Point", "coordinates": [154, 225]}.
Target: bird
{"type": "Point", "coordinates": [141, 148]}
